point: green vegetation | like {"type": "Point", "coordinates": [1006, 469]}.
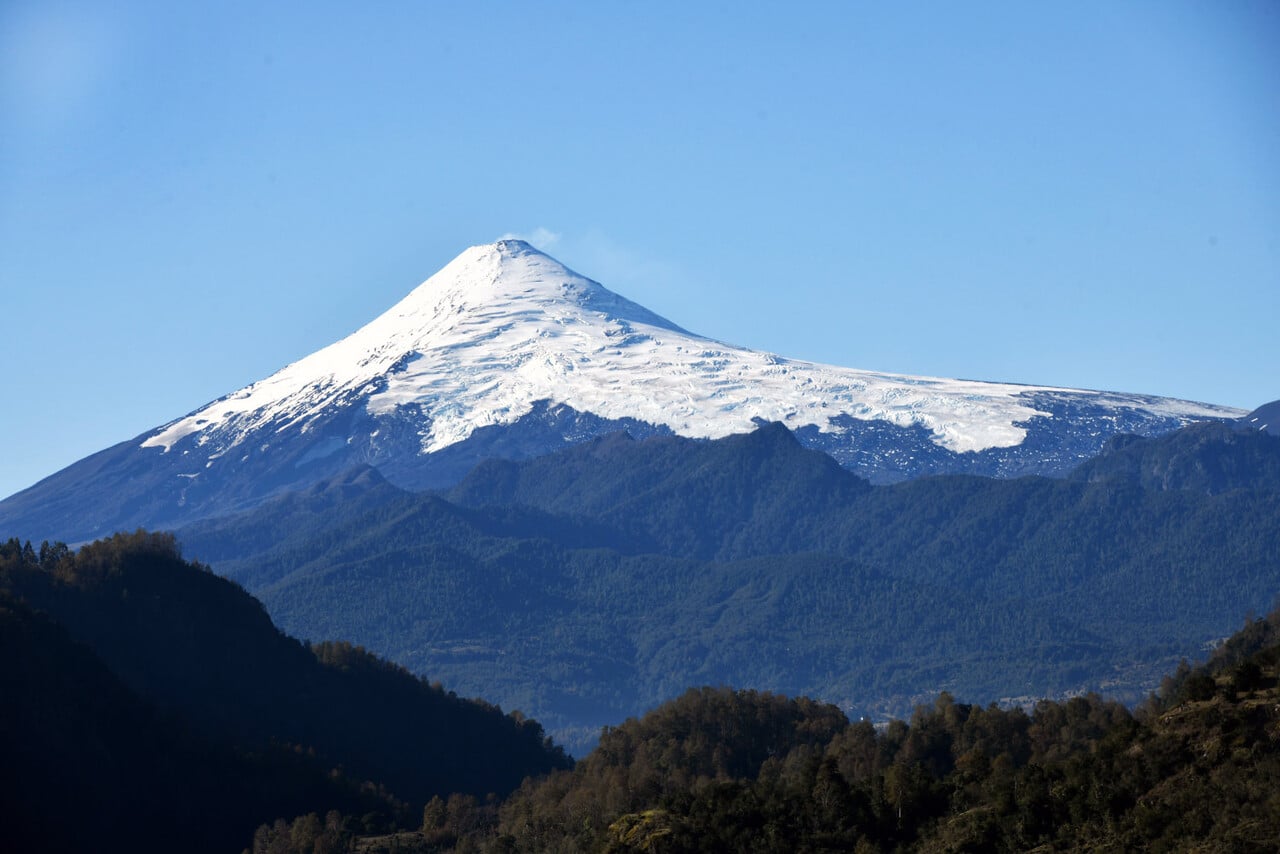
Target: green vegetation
{"type": "Point", "coordinates": [151, 705]}
{"type": "Point", "coordinates": [595, 583]}
{"type": "Point", "coordinates": [158, 709]}
{"type": "Point", "coordinates": [1195, 769]}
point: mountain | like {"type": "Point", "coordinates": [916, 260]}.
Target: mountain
{"type": "Point", "coordinates": [89, 765]}
{"type": "Point", "coordinates": [590, 584]}
{"type": "Point", "coordinates": [151, 705]}
{"type": "Point", "coordinates": [506, 353]}
{"type": "Point", "coordinates": [1212, 458]}
{"type": "Point", "coordinates": [1265, 418]}
{"type": "Point", "coordinates": [1196, 769]}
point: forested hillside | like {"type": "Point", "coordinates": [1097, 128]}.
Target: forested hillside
{"type": "Point", "coordinates": [592, 584]}
{"type": "Point", "coordinates": [1195, 768]}
{"type": "Point", "coordinates": [150, 700]}
{"type": "Point", "coordinates": [158, 709]}
{"type": "Point", "coordinates": [1210, 458]}
{"type": "Point", "coordinates": [752, 772]}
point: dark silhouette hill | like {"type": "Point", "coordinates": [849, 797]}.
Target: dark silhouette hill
{"type": "Point", "coordinates": [153, 694]}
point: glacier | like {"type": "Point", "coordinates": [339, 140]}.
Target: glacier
{"type": "Point", "coordinates": [504, 326]}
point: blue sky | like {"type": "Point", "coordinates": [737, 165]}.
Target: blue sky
{"type": "Point", "coordinates": [1082, 194]}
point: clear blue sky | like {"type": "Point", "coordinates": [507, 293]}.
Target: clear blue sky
{"type": "Point", "coordinates": [1077, 194]}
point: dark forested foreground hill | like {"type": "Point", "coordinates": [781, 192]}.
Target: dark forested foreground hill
{"type": "Point", "coordinates": [151, 705]}
{"type": "Point", "coordinates": [1196, 768]}
{"type": "Point", "coordinates": [592, 584]}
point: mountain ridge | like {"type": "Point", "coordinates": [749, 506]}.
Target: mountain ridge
{"type": "Point", "coordinates": [507, 353]}
{"type": "Point", "coordinates": [200, 719]}
{"type": "Point", "coordinates": [511, 307]}
{"type": "Point", "coordinates": [590, 583]}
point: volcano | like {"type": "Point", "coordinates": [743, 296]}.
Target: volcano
{"type": "Point", "coordinates": [507, 353]}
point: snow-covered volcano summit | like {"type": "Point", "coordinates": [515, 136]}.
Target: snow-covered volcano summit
{"type": "Point", "coordinates": [467, 347]}
{"type": "Point", "coordinates": [506, 352]}
{"type": "Point", "coordinates": [504, 326]}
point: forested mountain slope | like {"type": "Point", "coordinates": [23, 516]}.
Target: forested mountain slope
{"type": "Point", "coordinates": [89, 765]}
{"type": "Point", "coordinates": [591, 584]}
{"type": "Point", "coordinates": [1208, 458]}
{"type": "Point", "coordinates": [1196, 768]}
{"type": "Point", "coordinates": [161, 699]}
